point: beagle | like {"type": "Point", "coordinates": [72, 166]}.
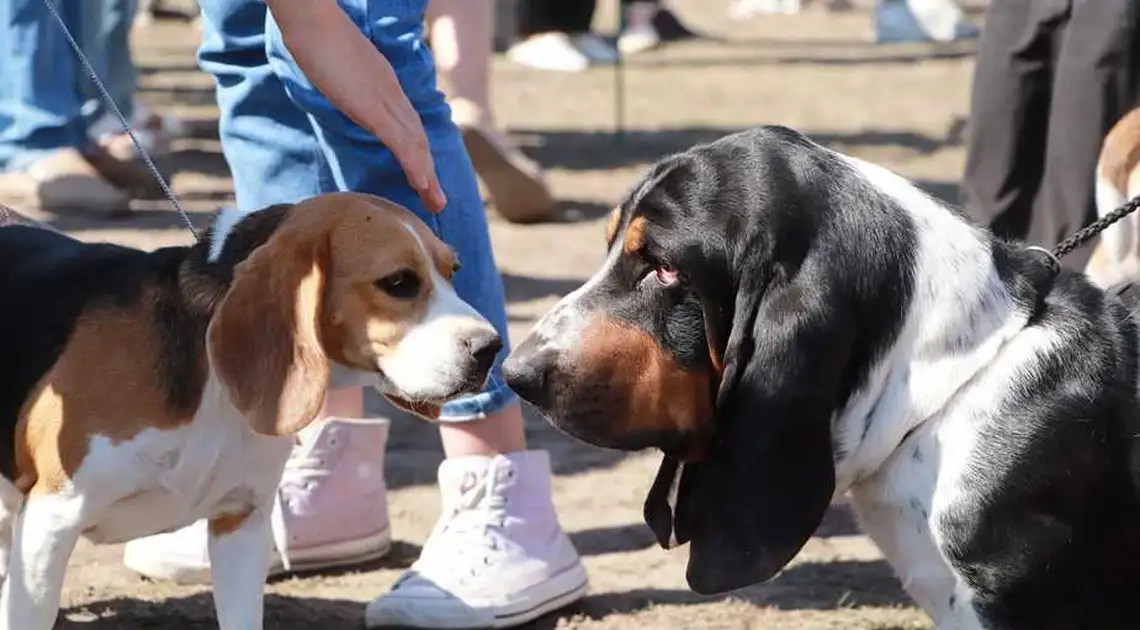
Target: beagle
{"type": "Point", "coordinates": [1116, 256]}
{"type": "Point", "coordinates": [143, 391]}
{"type": "Point", "coordinates": [789, 324]}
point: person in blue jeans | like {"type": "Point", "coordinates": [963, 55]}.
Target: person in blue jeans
{"type": "Point", "coordinates": [319, 96]}
{"type": "Point", "coordinates": [50, 154]}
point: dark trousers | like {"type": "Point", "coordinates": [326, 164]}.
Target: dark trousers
{"type": "Point", "coordinates": [567, 16]}
{"type": "Point", "coordinates": [1052, 77]}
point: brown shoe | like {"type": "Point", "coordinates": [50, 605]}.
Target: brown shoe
{"type": "Point", "coordinates": [514, 181]}
{"type": "Point", "coordinates": [154, 132]}
{"type": "Point", "coordinates": [63, 182]}
{"type": "Point", "coordinates": [125, 173]}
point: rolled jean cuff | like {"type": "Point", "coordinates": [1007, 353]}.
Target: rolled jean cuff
{"type": "Point", "coordinates": [494, 398]}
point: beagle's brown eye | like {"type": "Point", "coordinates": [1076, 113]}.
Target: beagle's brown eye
{"type": "Point", "coordinates": [404, 284]}
{"type": "Point", "coordinates": [456, 266]}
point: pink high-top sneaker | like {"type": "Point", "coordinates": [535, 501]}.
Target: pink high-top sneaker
{"type": "Point", "coordinates": [332, 509]}
{"type": "Point", "coordinates": [497, 558]}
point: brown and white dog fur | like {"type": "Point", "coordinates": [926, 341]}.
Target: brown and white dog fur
{"type": "Point", "coordinates": [1116, 257]}
{"type": "Point", "coordinates": [143, 391]}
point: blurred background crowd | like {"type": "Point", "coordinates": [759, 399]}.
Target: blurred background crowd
{"type": "Point", "coordinates": [63, 150]}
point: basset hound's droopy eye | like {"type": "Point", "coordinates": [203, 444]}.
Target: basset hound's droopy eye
{"type": "Point", "coordinates": [403, 284]}
{"type": "Point", "coordinates": [659, 275]}
{"type": "Point", "coordinates": [666, 276]}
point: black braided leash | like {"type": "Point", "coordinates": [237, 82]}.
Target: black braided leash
{"type": "Point", "coordinates": [1083, 235]}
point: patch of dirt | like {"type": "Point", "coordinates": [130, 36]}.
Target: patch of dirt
{"type": "Point", "coordinates": [902, 106]}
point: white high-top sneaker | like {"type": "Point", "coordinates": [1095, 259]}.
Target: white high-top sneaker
{"type": "Point", "coordinates": [497, 558]}
{"type": "Point", "coordinates": [332, 510]}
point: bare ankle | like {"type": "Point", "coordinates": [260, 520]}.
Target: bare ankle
{"type": "Point", "coordinates": [499, 433]}
{"type": "Point", "coordinates": [347, 402]}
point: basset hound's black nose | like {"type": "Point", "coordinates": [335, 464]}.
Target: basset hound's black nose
{"type": "Point", "coordinates": [527, 372]}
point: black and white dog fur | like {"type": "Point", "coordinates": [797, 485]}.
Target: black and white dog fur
{"type": "Point", "coordinates": [789, 324]}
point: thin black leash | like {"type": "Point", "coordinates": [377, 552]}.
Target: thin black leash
{"type": "Point", "coordinates": [1085, 234]}
{"type": "Point", "coordinates": [122, 119]}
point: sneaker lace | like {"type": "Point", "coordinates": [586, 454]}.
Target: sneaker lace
{"type": "Point", "coordinates": [306, 465]}
{"type": "Point", "coordinates": [478, 511]}
{"type": "Point", "coordinates": [308, 462]}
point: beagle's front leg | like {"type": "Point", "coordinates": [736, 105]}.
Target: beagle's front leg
{"type": "Point", "coordinates": [240, 548]}
{"type": "Point", "coordinates": [45, 535]}
{"type": "Point", "coordinates": [10, 501]}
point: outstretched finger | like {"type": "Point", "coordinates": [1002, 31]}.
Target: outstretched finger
{"type": "Point", "coordinates": [419, 167]}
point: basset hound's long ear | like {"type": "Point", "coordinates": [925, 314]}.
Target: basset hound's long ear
{"type": "Point", "coordinates": [762, 489]}
{"type": "Point", "coordinates": [264, 341]}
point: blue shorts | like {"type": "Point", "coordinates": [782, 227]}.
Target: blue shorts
{"type": "Point", "coordinates": [285, 142]}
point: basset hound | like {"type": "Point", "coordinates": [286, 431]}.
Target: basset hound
{"type": "Point", "coordinates": [1116, 257]}
{"type": "Point", "coordinates": [143, 391]}
{"type": "Point", "coordinates": [789, 324]}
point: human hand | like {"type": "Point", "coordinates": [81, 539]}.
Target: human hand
{"type": "Point", "coordinates": [344, 65]}
{"type": "Point", "coordinates": [398, 126]}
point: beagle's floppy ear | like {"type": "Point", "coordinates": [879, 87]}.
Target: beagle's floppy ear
{"type": "Point", "coordinates": [768, 477]}
{"type": "Point", "coordinates": [264, 341]}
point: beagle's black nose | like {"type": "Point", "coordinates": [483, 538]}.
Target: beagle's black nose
{"type": "Point", "coordinates": [484, 349]}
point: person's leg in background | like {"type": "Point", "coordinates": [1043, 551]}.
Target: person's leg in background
{"type": "Point", "coordinates": [332, 501]}
{"type": "Point", "coordinates": [555, 35]}
{"type": "Point", "coordinates": [106, 26]}
{"type": "Point", "coordinates": [899, 21]}
{"type": "Point", "coordinates": [462, 41]}
{"type": "Point", "coordinates": [105, 39]}
{"type": "Point", "coordinates": [1009, 110]}
{"type": "Point", "coordinates": [1096, 81]}
{"type": "Point", "coordinates": [108, 39]}
{"type": "Point", "coordinates": [42, 131]}
{"type": "Point", "coordinates": [646, 24]}
{"type": "Point", "coordinates": [497, 555]}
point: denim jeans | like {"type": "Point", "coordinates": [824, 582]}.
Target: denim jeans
{"type": "Point", "coordinates": [39, 82]}
{"type": "Point", "coordinates": [917, 20]}
{"type": "Point", "coordinates": [43, 86]}
{"type": "Point", "coordinates": [106, 29]}
{"type": "Point", "coordinates": [284, 142]}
